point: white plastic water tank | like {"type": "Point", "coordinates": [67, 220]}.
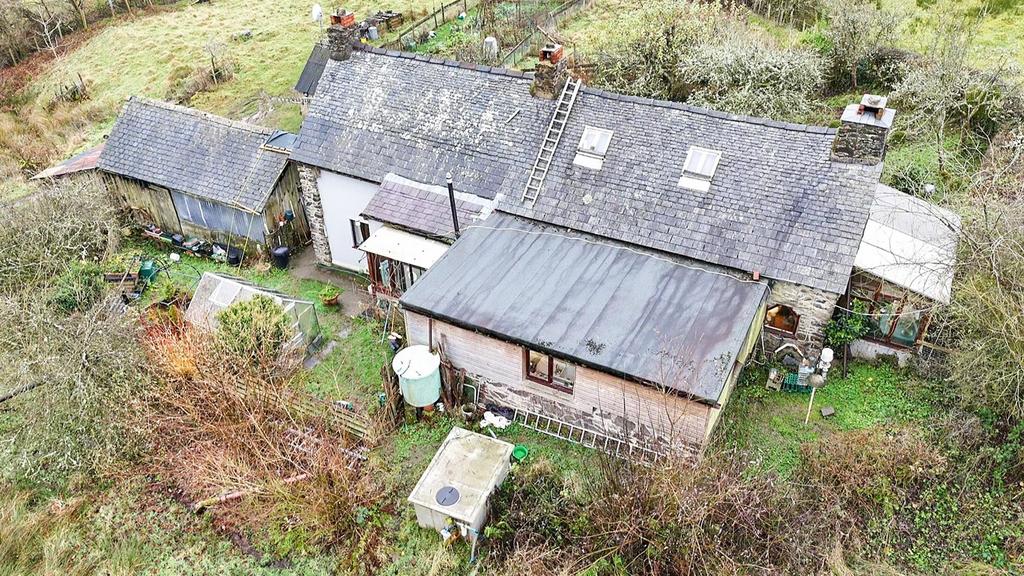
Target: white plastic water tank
{"type": "Point", "coordinates": [419, 375]}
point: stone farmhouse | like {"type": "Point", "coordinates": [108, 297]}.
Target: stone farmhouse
{"type": "Point", "coordinates": [630, 253]}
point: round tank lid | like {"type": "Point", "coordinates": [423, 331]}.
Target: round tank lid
{"type": "Point", "coordinates": [447, 496]}
{"type": "Point", "coordinates": [415, 362]}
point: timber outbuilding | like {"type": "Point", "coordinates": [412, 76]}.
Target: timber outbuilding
{"type": "Point", "coordinates": [189, 173]}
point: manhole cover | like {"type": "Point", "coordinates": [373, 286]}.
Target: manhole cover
{"type": "Point", "coordinates": [447, 496]}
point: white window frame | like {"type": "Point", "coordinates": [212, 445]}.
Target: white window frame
{"type": "Point", "coordinates": [593, 158]}
{"type": "Point", "coordinates": [699, 181]}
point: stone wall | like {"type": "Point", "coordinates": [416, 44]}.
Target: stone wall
{"type": "Point", "coordinates": [859, 144]}
{"type": "Point", "coordinates": [308, 176]}
{"type": "Point", "coordinates": [815, 308]}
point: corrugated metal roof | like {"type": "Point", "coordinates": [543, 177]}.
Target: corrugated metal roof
{"type": "Point", "coordinates": [79, 162]}
{"type": "Point", "coordinates": [404, 247]}
{"type": "Point", "coordinates": [602, 304]}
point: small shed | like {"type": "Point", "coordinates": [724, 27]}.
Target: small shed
{"type": "Point", "coordinates": [216, 292]}
{"type": "Point", "coordinates": [188, 172]}
{"type": "Point", "coordinates": [458, 483]}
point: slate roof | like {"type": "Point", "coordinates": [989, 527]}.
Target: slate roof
{"type": "Point", "coordinates": [423, 209]}
{"type": "Point", "coordinates": [314, 68]}
{"type": "Point", "coordinates": [594, 302]}
{"type": "Point", "coordinates": [777, 204]}
{"type": "Point", "coordinates": [420, 118]}
{"type": "Point", "coordinates": [193, 152]}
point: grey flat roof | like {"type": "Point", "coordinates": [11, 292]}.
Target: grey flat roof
{"type": "Point", "coordinates": [644, 316]}
{"type": "Point", "coordinates": [195, 152]}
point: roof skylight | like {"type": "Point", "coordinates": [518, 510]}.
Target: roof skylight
{"type": "Point", "coordinates": [699, 168]}
{"type": "Point", "coordinates": [593, 147]}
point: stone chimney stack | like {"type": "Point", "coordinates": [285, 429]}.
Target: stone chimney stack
{"type": "Point", "coordinates": [342, 34]}
{"type": "Point", "coordinates": [865, 127]}
{"type": "Point", "coordinates": [550, 74]}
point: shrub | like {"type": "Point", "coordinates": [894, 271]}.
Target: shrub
{"type": "Point", "coordinates": [256, 328]}
{"type": "Point", "coordinates": [38, 237]}
{"type": "Point", "coordinates": [749, 76]}
{"type": "Point", "coordinates": [80, 375]}
{"type": "Point", "coordinates": [641, 55]}
{"type": "Point", "coordinates": [856, 31]}
{"type": "Point", "coordinates": [789, 12]}
{"type": "Point", "coordinates": [184, 83]}
{"type": "Point", "coordinates": [847, 326]}
{"type": "Point", "coordinates": [78, 288]}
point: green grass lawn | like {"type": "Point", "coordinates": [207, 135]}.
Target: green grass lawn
{"type": "Point", "coordinates": [1000, 26]}
{"type": "Point", "coordinates": [769, 427]}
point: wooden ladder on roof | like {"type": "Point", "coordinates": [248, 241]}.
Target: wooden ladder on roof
{"type": "Point", "coordinates": [551, 139]}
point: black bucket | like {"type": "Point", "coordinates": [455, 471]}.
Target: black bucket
{"type": "Point", "coordinates": [280, 256]}
{"type": "Point", "coordinates": [234, 256]}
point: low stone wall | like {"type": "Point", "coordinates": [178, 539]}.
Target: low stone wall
{"type": "Point", "coordinates": [308, 176]}
{"type": "Point", "coordinates": [815, 308]}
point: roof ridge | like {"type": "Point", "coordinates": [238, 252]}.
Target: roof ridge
{"type": "Point", "coordinates": [196, 113]}
{"type": "Point", "coordinates": [700, 111]}
{"type": "Point", "coordinates": [600, 92]}
{"type": "Point", "coordinates": [495, 70]}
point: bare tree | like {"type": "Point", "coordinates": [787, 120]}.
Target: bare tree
{"type": "Point", "coordinates": [49, 24]}
{"type": "Point", "coordinates": [79, 7]}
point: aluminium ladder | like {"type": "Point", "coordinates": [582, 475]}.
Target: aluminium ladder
{"type": "Point", "coordinates": [551, 139]}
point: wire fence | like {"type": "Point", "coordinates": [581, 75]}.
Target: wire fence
{"type": "Point", "coordinates": [420, 29]}
{"type": "Point", "coordinates": [539, 36]}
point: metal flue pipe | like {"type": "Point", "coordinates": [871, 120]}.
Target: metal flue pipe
{"type": "Point", "coordinates": [451, 200]}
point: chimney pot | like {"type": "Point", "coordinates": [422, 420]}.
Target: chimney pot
{"type": "Point", "coordinates": [550, 74]}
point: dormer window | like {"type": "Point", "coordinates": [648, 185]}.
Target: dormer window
{"type": "Point", "coordinates": [593, 148]}
{"type": "Point", "coordinates": [699, 169]}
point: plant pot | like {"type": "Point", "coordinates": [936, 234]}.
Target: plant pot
{"type": "Point", "coordinates": [469, 411]}
{"type": "Point", "coordinates": [330, 300]}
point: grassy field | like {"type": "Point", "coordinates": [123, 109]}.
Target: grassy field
{"type": "Point", "coordinates": [1000, 26]}
{"type": "Point", "coordinates": [143, 55]}
{"type": "Point", "coordinates": [769, 426]}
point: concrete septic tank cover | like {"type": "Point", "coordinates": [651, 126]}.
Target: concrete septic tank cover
{"type": "Point", "coordinates": [458, 482]}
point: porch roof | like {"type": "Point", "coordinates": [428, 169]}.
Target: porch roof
{"type": "Point", "coordinates": [404, 247]}
{"type": "Point", "coordinates": [910, 242]}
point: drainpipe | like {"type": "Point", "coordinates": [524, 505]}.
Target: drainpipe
{"type": "Point", "coordinates": [451, 200]}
